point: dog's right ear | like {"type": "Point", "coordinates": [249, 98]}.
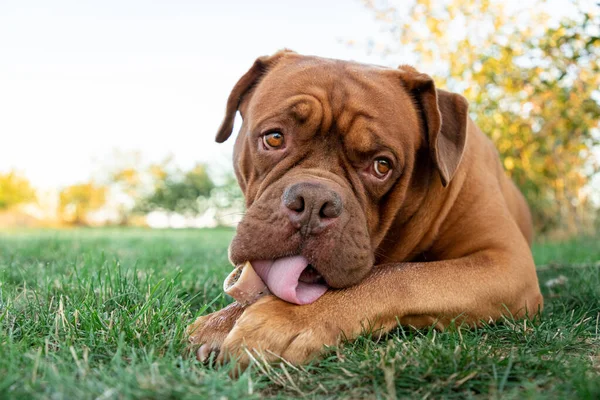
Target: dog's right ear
{"type": "Point", "coordinates": [260, 67]}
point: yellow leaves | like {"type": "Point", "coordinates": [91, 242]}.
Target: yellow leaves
{"type": "Point", "coordinates": [14, 190]}
{"type": "Point", "coordinates": [127, 175]}
{"type": "Point", "coordinates": [158, 172]}
{"type": "Point", "coordinates": [559, 184]}
{"type": "Point", "coordinates": [77, 201]}
{"type": "Point", "coordinates": [525, 160]}
{"type": "Point", "coordinates": [88, 194]}
{"type": "Point", "coordinates": [509, 163]}
{"type": "Point", "coordinates": [434, 26]}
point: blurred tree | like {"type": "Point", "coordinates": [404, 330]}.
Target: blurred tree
{"type": "Point", "coordinates": [129, 182]}
{"type": "Point", "coordinates": [77, 201]}
{"type": "Point", "coordinates": [228, 201]}
{"type": "Point", "coordinates": [178, 191]}
{"type": "Point", "coordinates": [132, 181]}
{"type": "Point", "coordinates": [532, 84]}
{"type": "Point", "coordinates": [14, 190]}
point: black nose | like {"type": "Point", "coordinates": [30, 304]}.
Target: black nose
{"type": "Point", "coordinates": [311, 206]}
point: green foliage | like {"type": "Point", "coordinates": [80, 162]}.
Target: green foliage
{"type": "Point", "coordinates": [162, 186]}
{"type": "Point", "coordinates": [228, 201]}
{"type": "Point", "coordinates": [100, 313]}
{"type": "Point", "coordinates": [532, 84]}
{"type": "Point", "coordinates": [14, 190]}
{"type": "Point", "coordinates": [178, 191]}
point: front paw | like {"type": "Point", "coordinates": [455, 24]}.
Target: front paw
{"type": "Point", "coordinates": [272, 329]}
{"type": "Point", "coordinates": [207, 333]}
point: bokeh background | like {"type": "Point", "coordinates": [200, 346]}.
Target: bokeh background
{"type": "Point", "coordinates": [108, 109]}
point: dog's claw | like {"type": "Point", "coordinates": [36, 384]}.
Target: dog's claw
{"type": "Point", "coordinates": [204, 352]}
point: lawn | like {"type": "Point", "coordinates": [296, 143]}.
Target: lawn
{"type": "Point", "coordinates": [100, 313]}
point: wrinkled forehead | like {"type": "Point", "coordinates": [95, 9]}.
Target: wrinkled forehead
{"type": "Point", "coordinates": [332, 94]}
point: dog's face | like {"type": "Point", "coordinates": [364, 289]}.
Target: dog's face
{"type": "Point", "coordinates": [326, 155]}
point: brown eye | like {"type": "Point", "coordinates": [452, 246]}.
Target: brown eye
{"type": "Point", "coordinates": [273, 140]}
{"type": "Point", "coordinates": [381, 167]}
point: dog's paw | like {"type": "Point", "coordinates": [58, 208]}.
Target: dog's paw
{"type": "Point", "coordinates": [271, 329]}
{"type": "Point", "coordinates": [207, 333]}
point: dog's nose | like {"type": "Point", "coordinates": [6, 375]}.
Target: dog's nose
{"type": "Point", "coordinates": [311, 206]}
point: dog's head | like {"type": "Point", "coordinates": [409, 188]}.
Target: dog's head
{"type": "Point", "coordinates": [327, 155]}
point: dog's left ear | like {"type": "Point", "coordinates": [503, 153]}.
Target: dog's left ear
{"type": "Point", "coordinates": [247, 82]}
{"type": "Point", "coordinates": [444, 118]}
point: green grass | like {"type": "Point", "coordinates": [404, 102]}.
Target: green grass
{"type": "Point", "coordinates": [100, 314]}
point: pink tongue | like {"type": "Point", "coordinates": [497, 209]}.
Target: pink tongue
{"type": "Point", "coordinates": [281, 277]}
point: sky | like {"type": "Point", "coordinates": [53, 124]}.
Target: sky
{"type": "Point", "coordinates": [81, 79]}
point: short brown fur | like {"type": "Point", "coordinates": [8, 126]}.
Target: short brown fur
{"type": "Point", "coordinates": [446, 236]}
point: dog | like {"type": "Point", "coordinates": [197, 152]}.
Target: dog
{"type": "Point", "coordinates": [386, 190]}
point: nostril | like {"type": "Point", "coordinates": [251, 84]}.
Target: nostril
{"type": "Point", "coordinates": [325, 211]}
{"type": "Point", "coordinates": [293, 201]}
{"type": "Point", "coordinates": [296, 204]}
{"type": "Point", "coordinates": [331, 209]}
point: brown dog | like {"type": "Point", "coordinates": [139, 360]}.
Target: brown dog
{"type": "Point", "coordinates": [391, 193]}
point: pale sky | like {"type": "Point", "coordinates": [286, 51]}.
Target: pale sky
{"type": "Point", "coordinates": [79, 79]}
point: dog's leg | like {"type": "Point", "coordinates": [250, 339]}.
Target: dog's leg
{"type": "Point", "coordinates": [479, 287]}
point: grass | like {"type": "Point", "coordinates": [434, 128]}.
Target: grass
{"type": "Point", "coordinates": [100, 314]}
